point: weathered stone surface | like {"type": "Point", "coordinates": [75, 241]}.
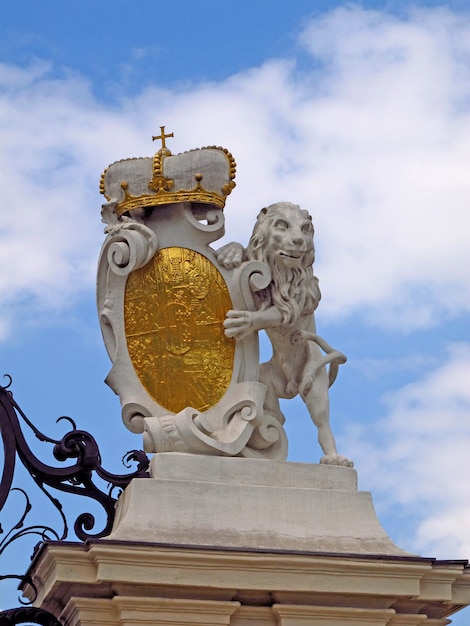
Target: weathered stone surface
{"type": "Point", "coordinates": [283, 239]}
{"type": "Point", "coordinates": [180, 320]}
{"type": "Point", "coordinates": [129, 583]}
{"type": "Point", "coordinates": [251, 503]}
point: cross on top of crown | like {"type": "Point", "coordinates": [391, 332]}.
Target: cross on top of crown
{"type": "Point", "coordinates": [163, 150]}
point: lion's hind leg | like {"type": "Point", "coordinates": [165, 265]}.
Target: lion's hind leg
{"type": "Point", "coordinates": [274, 380]}
{"type": "Point", "coordinates": [318, 405]}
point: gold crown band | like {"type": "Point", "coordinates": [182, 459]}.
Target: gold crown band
{"type": "Point", "coordinates": [147, 200]}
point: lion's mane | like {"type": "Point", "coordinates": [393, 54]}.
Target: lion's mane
{"type": "Point", "coordinates": [294, 291]}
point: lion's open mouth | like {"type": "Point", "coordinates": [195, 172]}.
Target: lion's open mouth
{"type": "Point", "coordinates": [291, 255]}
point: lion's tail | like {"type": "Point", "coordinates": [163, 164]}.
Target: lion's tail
{"type": "Point", "coordinates": [332, 357]}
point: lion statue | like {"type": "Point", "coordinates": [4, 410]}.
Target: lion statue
{"type": "Point", "coordinates": [283, 239]}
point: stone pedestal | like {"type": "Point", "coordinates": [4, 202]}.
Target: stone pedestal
{"type": "Point", "coordinates": [240, 542]}
{"type": "Point", "coordinates": [250, 503]}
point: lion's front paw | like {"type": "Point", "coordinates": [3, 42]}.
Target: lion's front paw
{"type": "Point", "coordinates": [336, 459]}
{"type": "Point", "coordinates": [230, 255]}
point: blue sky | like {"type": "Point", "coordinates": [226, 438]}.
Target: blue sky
{"type": "Point", "coordinates": [360, 113]}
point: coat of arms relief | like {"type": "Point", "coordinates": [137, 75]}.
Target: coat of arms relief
{"type": "Point", "coordinates": [180, 319]}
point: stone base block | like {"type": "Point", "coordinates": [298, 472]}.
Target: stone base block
{"type": "Point", "coordinates": [239, 542]}
{"type": "Point", "coordinates": [251, 503]}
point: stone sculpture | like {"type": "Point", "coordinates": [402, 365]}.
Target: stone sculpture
{"type": "Point", "coordinates": [283, 239]}
{"type": "Point", "coordinates": [187, 375]}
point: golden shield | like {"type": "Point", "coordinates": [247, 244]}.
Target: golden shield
{"type": "Point", "coordinates": [174, 308]}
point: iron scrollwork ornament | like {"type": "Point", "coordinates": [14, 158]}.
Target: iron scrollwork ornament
{"type": "Point", "coordinates": [28, 615]}
{"type": "Point", "coordinates": [78, 478]}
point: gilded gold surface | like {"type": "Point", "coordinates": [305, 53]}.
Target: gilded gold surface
{"type": "Point", "coordinates": [174, 308]}
{"type": "Point", "coordinates": [162, 136]}
{"type": "Point", "coordinates": [164, 197]}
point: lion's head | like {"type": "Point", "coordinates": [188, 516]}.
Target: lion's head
{"type": "Point", "coordinates": [283, 238]}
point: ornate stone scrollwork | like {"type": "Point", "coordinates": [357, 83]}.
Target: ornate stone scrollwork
{"type": "Point", "coordinates": [129, 245]}
{"type": "Point", "coordinates": [236, 426]}
{"type": "Point", "coordinates": [213, 224]}
{"type": "Point", "coordinates": [180, 320]}
{"type": "Point", "coordinates": [181, 381]}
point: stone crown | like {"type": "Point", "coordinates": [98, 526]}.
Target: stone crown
{"type": "Point", "coordinates": [203, 175]}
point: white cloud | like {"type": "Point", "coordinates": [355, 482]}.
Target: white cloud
{"type": "Point", "coordinates": [393, 126]}
{"type": "Point", "coordinates": [372, 134]}
{"type": "Point", "coordinates": [52, 153]}
{"type": "Point", "coordinates": [416, 457]}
